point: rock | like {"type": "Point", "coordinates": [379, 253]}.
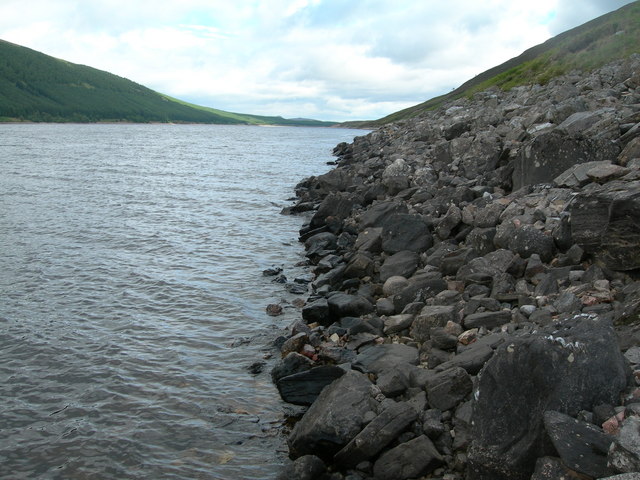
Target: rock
{"type": "Point", "coordinates": [378, 433]}
{"type": "Point", "coordinates": [527, 240]}
{"type": "Point", "coordinates": [552, 468]}
{"type": "Point", "coordinates": [581, 446]}
{"type": "Point", "coordinates": [376, 215]}
{"type": "Point", "coordinates": [273, 310]}
{"type": "Point", "coordinates": [294, 344]}
{"type": "Point", "coordinates": [577, 175]}
{"type": "Point", "coordinates": [345, 305]}
{"type": "Point", "coordinates": [401, 264]}
{"type": "Point", "coordinates": [397, 323]}
{"type": "Point", "coordinates": [569, 367]}
{"type": "Point", "coordinates": [361, 265]}
{"type": "Point", "coordinates": [429, 317]}
{"type": "Point", "coordinates": [337, 205]}
{"type": "Point", "coordinates": [394, 285]}
{"type": "Point", "coordinates": [393, 382]}
{"type": "Point", "coordinates": [377, 358]}
{"type": "Point", "coordinates": [292, 363]}
{"type": "Point", "coordinates": [317, 311]}
{"type": "Point", "coordinates": [304, 387]}
{"type": "Point", "coordinates": [417, 291]}
{"type": "Point", "coordinates": [307, 467]}
{"type": "Point", "coordinates": [549, 154]}
{"type": "Point", "coordinates": [370, 240]}
{"type": "Point", "coordinates": [604, 223]}
{"type": "Point", "coordinates": [447, 389]}
{"type": "Point", "coordinates": [488, 320]}
{"type": "Point", "coordinates": [334, 419]}
{"type": "Point", "coordinates": [624, 454]}
{"type": "Point", "coordinates": [471, 359]}
{"type": "Point", "coordinates": [405, 232]}
{"type": "Point", "coordinates": [412, 459]}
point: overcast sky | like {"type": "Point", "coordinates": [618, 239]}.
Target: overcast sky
{"type": "Point", "coordinates": [324, 59]}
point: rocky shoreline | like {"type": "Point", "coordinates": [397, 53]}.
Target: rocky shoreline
{"type": "Point", "coordinates": [474, 311]}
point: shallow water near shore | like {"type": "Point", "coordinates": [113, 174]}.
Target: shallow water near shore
{"type": "Point", "coordinates": [132, 298]}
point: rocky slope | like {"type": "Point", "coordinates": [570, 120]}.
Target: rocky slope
{"type": "Point", "coordinates": [475, 303]}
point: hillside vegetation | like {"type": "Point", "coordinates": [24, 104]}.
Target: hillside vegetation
{"type": "Point", "coordinates": [39, 88]}
{"type": "Point", "coordinates": [610, 37]}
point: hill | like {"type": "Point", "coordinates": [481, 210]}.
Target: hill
{"type": "Point", "coordinates": [39, 88]}
{"type": "Point", "coordinates": [613, 36]}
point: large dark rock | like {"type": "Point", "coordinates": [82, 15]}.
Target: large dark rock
{"type": "Point", "coordinates": [528, 240]}
{"type": "Point", "coordinates": [381, 431]}
{"type": "Point", "coordinates": [346, 305]}
{"type": "Point", "coordinates": [307, 467]}
{"type": "Point", "coordinates": [624, 454]}
{"type": "Point", "coordinates": [549, 154]}
{"type": "Point", "coordinates": [335, 418]}
{"type": "Point", "coordinates": [405, 232]}
{"type": "Point", "coordinates": [316, 311]}
{"type": "Point", "coordinates": [403, 264]}
{"type": "Point", "coordinates": [412, 459]}
{"type": "Point", "coordinates": [337, 205]}
{"type": "Point", "coordinates": [447, 389]}
{"type": "Point", "coordinates": [303, 388]}
{"type": "Point", "coordinates": [565, 367]}
{"type": "Point", "coordinates": [606, 222]}
{"type": "Point", "coordinates": [377, 358]}
{"type": "Point", "coordinates": [582, 447]}
{"type": "Point", "coordinates": [377, 214]}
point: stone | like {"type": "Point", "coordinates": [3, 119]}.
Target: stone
{"type": "Point", "coordinates": [393, 382]}
{"type": "Point", "coordinates": [394, 285]}
{"type": "Point", "coordinates": [624, 454]}
{"type": "Point", "coordinates": [549, 154]}
{"type": "Point", "coordinates": [292, 363]}
{"type": "Point", "coordinates": [334, 419]}
{"type": "Point", "coordinates": [471, 359]}
{"type": "Point", "coordinates": [370, 240]}
{"type": "Point", "coordinates": [405, 232]}
{"type": "Point", "coordinates": [429, 317]}
{"type": "Point", "coordinates": [307, 467]}
{"type": "Point", "coordinates": [317, 311]}
{"type": "Point", "coordinates": [481, 240]}
{"type": "Point", "coordinates": [397, 323]}
{"type": "Point", "coordinates": [443, 340]}
{"type": "Point", "coordinates": [377, 214]}
{"type": "Point", "coordinates": [294, 344]}
{"type": "Point", "coordinates": [417, 291]}
{"type": "Point", "coordinates": [488, 320]}
{"type": "Point", "coordinates": [552, 468]}
{"type": "Point", "coordinates": [400, 264]}
{"type": "Point", "coordinates": [304, 387]}
{"type": "Point", "coordinates": [346, 305]}
{"type": "Point", "coordinates": [604, 223]}
{"type": "Point", "coordinates": [577, 175]}
{"type": "Point", "coordinates": [527, 240]}
{"type": "Point", "coordinates": [337, 205]}
{"type": "Point", "coordinates": [320, 242]}
{"type": "Point", "coordinates": [447, 389]}
{"type": "Point", "coordinates": [377, 358]}
{"type": "Point", "coordinates": [411, 459]}
{"type": "Point", "coordinates": [569, 366]}
{"type": "Point", "coordinates": [582, 446]}
{"type": "Point", "coordinates": [378, 433]}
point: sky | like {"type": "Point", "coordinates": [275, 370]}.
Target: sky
{"type": "Point", "coordinates": [324, 59]}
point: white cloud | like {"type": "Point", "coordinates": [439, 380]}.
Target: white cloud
{"type": "Point", "coordinates": [329, 59]}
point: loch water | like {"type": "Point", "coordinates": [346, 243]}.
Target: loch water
{"type": "Point", "coordinates": [132, 298]}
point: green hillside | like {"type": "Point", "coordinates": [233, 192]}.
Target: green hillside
{"type": "Point", "coordinates": [610, 37]}
{"type": "Point", "coordinates": [39, 88]}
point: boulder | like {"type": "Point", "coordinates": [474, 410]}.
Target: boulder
{"type": "Point", "coordinates": [377, 358]}
{"type": "Point", "coordinates": [624, 454]}
{"type": "Point", "coordinates": [432, 316]}
{"type": "Point", "coordinates": [316, 311]}
{"type": "Point", "coordinates": [568, 367]}
{"type": "Point", "coordinates": [377, 214]}
{"type": "Point", "coordinates": [412, 459]}
{"type": "Point", "coordinates": [370, 240]}
{"type": "Point", "coordinates": [334, 419]}
{"type": "Point", "coordinates": [381, 431]}
{"type": "Point", "coordinates": [582, 446]}
{"type": "Point", "coordinates": [549, 154]}
{"type": "Point", "coordinates": [307, 467]}
{"type": "Point", "coordinates": [447, 389]}
{"type": "Point", "coordinates": [303, 388]}
{"type": "Point", "coordinates": [528, 240]}
{"type": "Point", "coordinates": [604, 222]}
{"type": "Point", "coordinates": [405, 232]}
{"type": "Point", "coordinates": [336, 205]}
{"type": "Point", "coordinates": [488, 320]}
{"type": "Point", "coordinates": [346, 305]}
{"type": "Point", "coordinates": [402, 264]}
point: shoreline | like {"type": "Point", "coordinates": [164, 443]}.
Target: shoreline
{"type": "Point", "coordinates": [475, 282]}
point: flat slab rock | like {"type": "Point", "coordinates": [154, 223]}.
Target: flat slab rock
{"type": "Point", "coordinates": [377, 358]}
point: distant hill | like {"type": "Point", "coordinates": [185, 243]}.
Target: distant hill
{"type": "Point", "coordinates": [39, 88]}
{"type": "Point", "coordinates": [610, 37]}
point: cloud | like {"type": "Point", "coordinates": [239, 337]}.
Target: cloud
{"type": "Point", "coordinates": [327, 59]}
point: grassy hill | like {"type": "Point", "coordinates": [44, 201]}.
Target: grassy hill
{"type": "Point", "coordinates": [609, 37]}
{"type": "Point", "coordinates": [39, 88]}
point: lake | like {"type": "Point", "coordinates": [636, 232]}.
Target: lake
{"type": "Point", "coordinates": [132, 298]}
